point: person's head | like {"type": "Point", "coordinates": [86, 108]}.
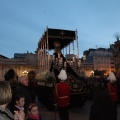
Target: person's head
{"type": "Point", "coordinates": [5, 92]}
{"type": "Point", "coordinates": [19, 100]}
{"type": "Point", "coordinates": [31, 75]}
{"type": "Point", "coordinates": [10, 74]}
{"type": "Point", "coordinates": [33, 109]}
{"type": "Point", "coordinates": [23, 80]}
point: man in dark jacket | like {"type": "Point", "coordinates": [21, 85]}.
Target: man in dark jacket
{"type": "Point", "coordinates": [103, 107]}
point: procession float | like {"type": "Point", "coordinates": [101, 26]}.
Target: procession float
{"type": "Point", "coordinates": [54, 53]}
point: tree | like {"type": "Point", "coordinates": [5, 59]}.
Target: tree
{"type": "Point", "coordinates": [117, 36]}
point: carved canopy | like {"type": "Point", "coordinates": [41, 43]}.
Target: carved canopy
{"type": "Point", "coordinates": [65, 37]}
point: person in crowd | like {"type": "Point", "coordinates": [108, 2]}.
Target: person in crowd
{"type": "Point", "coordinates": [11, 76]}
{"type": "Point", "coordinates": [23, 89]}
{"type": "Point", "coordinates": [19, 101]}
{"type": "Point", "coordinates": [118, 88]}
{"type": "Point", "coordinates": [32, 85]}
{"type": "Point", "coordinates": [62, 96]}
{"type": "Point", "coordinates": [5, 98]}
{"type": "Point", "coordinates": [33, 112]}
{"type": "Point", "coordinates": [112, 87]}
{"type": "Point", "coordinates": [103, 107]}
{"type": "Point", "coordinates": [20, 115]}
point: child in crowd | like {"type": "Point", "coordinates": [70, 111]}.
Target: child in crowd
{"type": "Point", "coordinates": [19, 101]}
{"type": "Point", "coordinates": [33, 112]}
{"type": "Point", "coordinates": [5, 98]}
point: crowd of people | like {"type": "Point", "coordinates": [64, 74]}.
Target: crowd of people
{"type": "Point", "coordinates": [18, 98]}
{"type": "Point", "coordinates": [105, 99]}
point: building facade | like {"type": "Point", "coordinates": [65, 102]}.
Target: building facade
{"type": "Point", "coordinates": [116, 54]}
{"type": "Point", "coordinates": [101, 58]}
{"type": "Point", "coordinates": [21, 65]}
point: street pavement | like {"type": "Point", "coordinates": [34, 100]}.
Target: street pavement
{"type": "Point", "coordinates": [77, 113]}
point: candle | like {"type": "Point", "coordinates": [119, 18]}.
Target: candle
{"type": "Point", "coordinates": [71, 63]}
{"type": "Point", "coordinates": [60, 60]}
{"type": "Point", "coordinates": [73, 59]}
{"type": "Point", "coordinates": [58, 55]}
{"type": "Point", "coordinates": [53, 57]}
{"type": "Point", "coordinates": [79, 62]}
{"type": "Point", "coordinates": [64, 64]}
{"type": "Point", "coordinates": [48, 57]}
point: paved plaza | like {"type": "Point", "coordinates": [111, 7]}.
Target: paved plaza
{"type": "Point", "coordinates": [80, 113]}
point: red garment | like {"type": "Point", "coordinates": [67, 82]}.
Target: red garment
{"type": "Point", "coordinates": [34, 117]}
{"type": "Point", "coordinates": [62, 94]}
{"type": "Point", "coordinates": [112, 89]}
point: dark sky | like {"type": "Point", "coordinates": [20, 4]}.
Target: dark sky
{"type": "Point", "coordinates": [22, 22]}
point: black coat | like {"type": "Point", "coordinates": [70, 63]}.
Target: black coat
{"type": "Point", "coordinates": [103, 107]}
{"type": "Point", "coordinates": [100, 112]}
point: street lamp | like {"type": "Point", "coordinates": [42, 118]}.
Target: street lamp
{"type": "Point", "coordinates": [92, 72]}
{"type": "Point", "coordinates": [25, 73]}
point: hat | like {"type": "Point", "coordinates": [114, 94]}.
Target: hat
{"type": "Point", "coordinates": [63, 75]}
{"type": "Point", "coordinates": [111, 77]}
